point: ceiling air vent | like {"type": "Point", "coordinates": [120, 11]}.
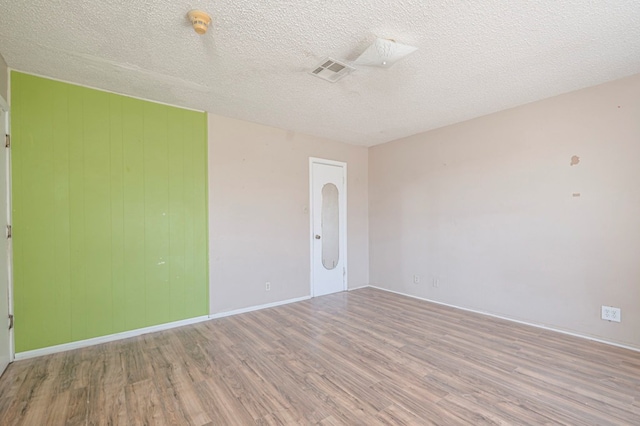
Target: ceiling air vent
{"type": "Point", "coordinates": [331, 70]}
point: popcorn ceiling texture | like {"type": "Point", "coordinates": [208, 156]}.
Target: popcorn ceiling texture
{"type": "Point", "coordinates": [474, 57]}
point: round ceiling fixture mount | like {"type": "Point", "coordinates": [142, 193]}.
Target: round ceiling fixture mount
{"type": "Point", "coordinates": [200, 20]}
{"type": "Point", "coordinates": [384, 53]}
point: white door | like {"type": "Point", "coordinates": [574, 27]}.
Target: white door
{"type": "Point", "coordinates": [328, 226]}
{"type": "Point", "coordinates": [5, 338]}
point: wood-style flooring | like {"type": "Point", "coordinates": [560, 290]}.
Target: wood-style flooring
{"type": "Point", "coordinates": [366, 357]}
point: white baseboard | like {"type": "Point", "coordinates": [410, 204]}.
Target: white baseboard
{"type": "Point", "coordinates": [358, 288]}
{"type": "Point", "coordinates": [557, 330]}
{"type": "Point", "coordinates": [140, 331]}
{"type": "Point", "coordinates": [108, 338]}
{"type": "Point", "coordinates": [258, 307]}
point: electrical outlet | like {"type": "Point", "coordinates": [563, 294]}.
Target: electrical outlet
{"type": "Point", "coordinates": [267, 286]}
{"type": "Point", "coordinates": [416, 279]}
{"type": "Point", "coordinates": [609, 313]}
{"type": "Point", "coordinates": [614, 314]}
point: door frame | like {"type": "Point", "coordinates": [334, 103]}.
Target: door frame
{"type": "Point", "coordinates": [344, 227]}
{"type": "Point", "coordinates": [4, 107]}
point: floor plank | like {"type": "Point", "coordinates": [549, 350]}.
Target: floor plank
{"type": "Point", "coordinates": [364, 357]}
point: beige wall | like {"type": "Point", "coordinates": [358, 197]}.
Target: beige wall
{"type": "Point", "coordinates": [258, 212]}
{"type": "Point", "coordinates": [487, 207]}
{"type": "Point", "coordinates": [4, 80]}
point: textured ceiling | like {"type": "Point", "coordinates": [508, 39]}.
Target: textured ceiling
{"type": "Point", "coordinates": [475, 57]}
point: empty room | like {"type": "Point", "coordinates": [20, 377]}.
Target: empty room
{"type": "Point", "coordinates": [319, 212]}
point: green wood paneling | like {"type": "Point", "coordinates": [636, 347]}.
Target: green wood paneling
{"type": "Point", "coordinates": [109, 213]}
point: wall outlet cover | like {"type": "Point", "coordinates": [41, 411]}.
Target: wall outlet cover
{"type": "Point", "coordinates": [610, 313]}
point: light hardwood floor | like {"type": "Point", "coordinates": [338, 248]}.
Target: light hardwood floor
{"type": "Point", "coordinates": [365, 357]}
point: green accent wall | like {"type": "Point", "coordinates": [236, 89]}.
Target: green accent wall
{"type": "Point", "coordinates": [109, 212]}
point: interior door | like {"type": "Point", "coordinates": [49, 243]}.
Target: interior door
{"type": "Point", "coordinates": [5, 338]}
{"type": "Point", "coordinates": [328, 227]}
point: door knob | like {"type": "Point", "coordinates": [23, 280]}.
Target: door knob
{"type": "Point", "coordinates": [317, 237]}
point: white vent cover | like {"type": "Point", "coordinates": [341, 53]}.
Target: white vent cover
{"type": "Point", "coordinates": [331, 70]}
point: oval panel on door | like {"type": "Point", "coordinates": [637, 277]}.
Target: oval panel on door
{"type": "Point", "coordinates": [330, 226]}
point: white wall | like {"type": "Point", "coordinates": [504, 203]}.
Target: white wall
{"type": "Point", "coordinates": [487, 207]}
{"type": "Point", "coordinates": [258, 212]}
{"type": "Point", "coordinates": [4, 79]}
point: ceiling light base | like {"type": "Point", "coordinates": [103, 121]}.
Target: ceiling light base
{"type": "Point", "coordinates": [383, 53]}
{"type": "Point", "coordinates": [200, 21]}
